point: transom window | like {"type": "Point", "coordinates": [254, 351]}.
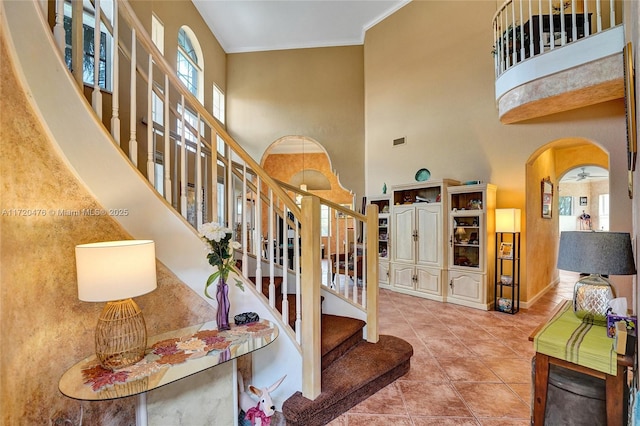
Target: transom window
{"type": "Point", "coordinates": [189, 65]}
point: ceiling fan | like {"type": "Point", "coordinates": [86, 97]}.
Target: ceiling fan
{"type": "Point", "coordinates": [584, 175]}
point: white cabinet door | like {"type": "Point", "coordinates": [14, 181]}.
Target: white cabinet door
{"type": "Point", "coordinates": [402, 276]}
{"type": "Point", "coordinates": [429, 241]}
{"type": "Point", "coordinates": [429, 280]}
{"type": "Point", "coordinates": [467, 289]}
{"type": "Point", "coordinates": [404, 226]}
{"type": "Point", "coordinates": [383, 273]}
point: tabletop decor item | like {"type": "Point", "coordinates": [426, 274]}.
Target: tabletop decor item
{"type": "Point", "coordinates": [596, 254]}
{"type": "Point", "coordinates": [115, 272]}
{"type": "Point", "coordinates": [220, 256]}
{"type": "Point", "coordinates": [422, 175]}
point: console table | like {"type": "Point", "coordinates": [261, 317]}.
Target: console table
{"type": "Point", "coordinates": [591, 353]}
{"type": "Point", "coordinates": [169, 357]}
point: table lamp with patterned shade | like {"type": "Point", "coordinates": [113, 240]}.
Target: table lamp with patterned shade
{"type": "Point", "coordinates": [596, 254]}
{"type": "Point", "coordinates": [114, 272]}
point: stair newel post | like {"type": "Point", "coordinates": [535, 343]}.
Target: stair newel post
{"type": "Point", "coordinates": [371, 286]}
{"type": "Point", "coordinates": [150, 142]}
{"type": "Point", "coordinates": [311, 278]}
{"type": "Point", "coordinates": [245, 250]}
{"type": "Point", "coordinates": [183, 161]}
{"type": "Point", "coordinates": [115, 75]}
{"type": "Point", "coordinates": [96, 96]}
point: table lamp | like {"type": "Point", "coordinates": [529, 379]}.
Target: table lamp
{"type": "Point", "coordinates": [114, 272]}
{"type": "Point", "coordinates": [596, 254]}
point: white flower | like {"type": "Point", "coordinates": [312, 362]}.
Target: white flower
{"type": "Point", "coordinates": [214, 231]}
{"type": "Point", "coordinates": [234, 245]}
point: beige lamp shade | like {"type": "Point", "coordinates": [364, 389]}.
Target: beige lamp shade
{"type": "Point", "coordinates": [115, 270]}
{"type": "Point", "coordinates": [508, 220]}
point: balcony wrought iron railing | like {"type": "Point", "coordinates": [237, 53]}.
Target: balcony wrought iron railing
{"type": "Point", "coordinates": [524, 29]}
{"type": "Point", "coordinates": [200, 170]}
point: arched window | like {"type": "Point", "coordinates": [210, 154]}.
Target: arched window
{"type": "Point", "coordinates": [190, 62]}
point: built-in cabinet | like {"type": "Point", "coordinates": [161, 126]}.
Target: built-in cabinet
{"type": "Point", "coordinates": [471, 254]}
{"type": "Point", "coordinates": [418, 233]}
{"type": "Point", "coordinates": [384, 245]}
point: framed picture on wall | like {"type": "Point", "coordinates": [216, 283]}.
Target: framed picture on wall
{"type": "Point", "coordinates": [547, 197]}
{"type": "Point", "coordinates": [583, 201]}
{"type": "Point", "coordinates": [630, 104]}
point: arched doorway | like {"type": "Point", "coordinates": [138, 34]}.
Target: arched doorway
{"type": "Point", "coordinates": [549, 164]}
{"type": "Point", "coordinates": [304, 163]}
{"type": "Point", "coordinates": [583, 199]}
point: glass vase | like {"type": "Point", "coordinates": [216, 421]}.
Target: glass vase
{"type": "Point", "coordinates": [222, 297]}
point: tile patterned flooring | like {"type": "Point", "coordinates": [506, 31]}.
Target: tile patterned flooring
{"type": "Point", "coordinates": [469, 367]}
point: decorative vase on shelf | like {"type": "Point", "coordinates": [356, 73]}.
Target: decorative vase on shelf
{"type": "Point", "coordinates": [222, 297]}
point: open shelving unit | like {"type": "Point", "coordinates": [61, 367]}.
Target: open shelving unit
{"type": "Point", "coordinates": [507, 282]}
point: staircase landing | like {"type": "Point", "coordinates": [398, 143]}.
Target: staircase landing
{"type": "Point", "coordinates": [360, 370]}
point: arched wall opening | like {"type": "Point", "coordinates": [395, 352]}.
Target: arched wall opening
{"type": "Point", "coordinates": [300, 160]}
{"type": "Point", "coordinates": [540, 250]}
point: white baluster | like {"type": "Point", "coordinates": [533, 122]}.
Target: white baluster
{"type": "Point", "coordinates": [151, 175]}
{"type": "Point", "coordinates": [599, 15]}
{"type": "Point", "coordinates": [574, 21]}
{"type": "Point", "coordinates": [167, 146]}
{"type": "Point", "coordinates": [285, 301]}
{"type": "Point", "coordinates": [585, 16]}
{"type": "Point", "coordinates": [229, 183]}
{"type": "Point", "coordinates": [540, 27]}
{"type": "Point", "coordinates": [183, 160]}
{"type": "Point", "coordinates": [531, 50]}
{"type": "Point", "coordinates": [115, 61]}
{"type": "Point", "coordinates": [58, 28]}
{"type": "Point", "coordinates": [298, 275]}
{"type": "Point", "coordinates": [198, 165]}
{"type": "Point", "coordinates": [563, 36]}
{"type": "Point", "coordinates": [245, 255]}
{"type": "Point", "coordinates": [77, 43]}
{"type": "Point", "coordinates": [133, 143]}
{"type": "Point", "coordinates": [269, 253]}
{"type": "Point", "coordinates": [522, 44]}
{"type": "Point", "coordinates": [612, 14]}
{"type": "Point", "coordinates": [551, 27]}
{"type": "Point", "coordinates": [96, 96]}
{"type": "Point", "coordinates": [272, 271]}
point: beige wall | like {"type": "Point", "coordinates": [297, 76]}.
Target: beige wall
{"type": "Point", "coordinates": [317, 93]}
{"type": "Point", "coordinates": [44, 328]}
{"type": "Point", "coordinates": [429, 77]}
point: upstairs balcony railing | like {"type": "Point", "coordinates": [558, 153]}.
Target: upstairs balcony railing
{"type": "Point", "coordinates": [524, 29]}
{"type": "Point", "coordinates": [200, 170]}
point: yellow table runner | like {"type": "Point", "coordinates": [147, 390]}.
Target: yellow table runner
{"type": "Point", "coordinates": [566, 337]}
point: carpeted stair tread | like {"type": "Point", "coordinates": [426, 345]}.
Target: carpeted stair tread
{"type": "Point", "coordinates": [370, 367]}
{"type": "Point", "coordinates": [338, 335]}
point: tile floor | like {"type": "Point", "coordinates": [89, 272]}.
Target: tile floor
{"type": "Point", "coordinates": [469, 367]}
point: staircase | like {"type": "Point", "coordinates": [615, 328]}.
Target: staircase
{"type": "Point", "coordinates": [352, 368]}
{"type": "Point", "coordinates": [352, 362]}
